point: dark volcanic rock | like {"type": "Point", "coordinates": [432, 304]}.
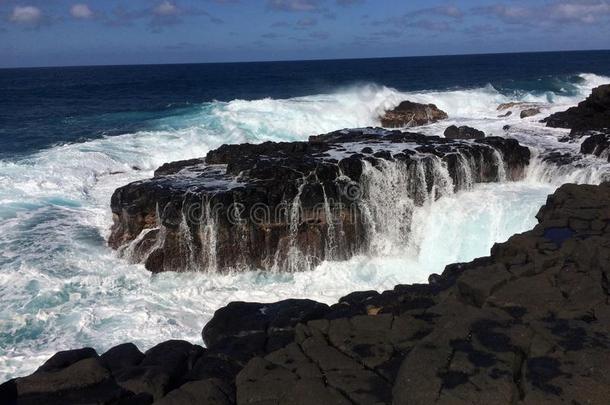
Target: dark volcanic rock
{"type": "Point", "coordinates": [529, 324]}
{"type": "Point", "coordinates": [290, 205]}
{"type": "Point", "coordinates": [597, 144]}
{"type": "Point", "coordinates": [83, 382]}
{"type": "Point", "coordinates": [463, 132]}
{"type": "Point", "coordinates": [409, 114]}
{"type": "Point", "coordinates": [122, 357]}
{"type": "Point", "coordinates": [593, 113]}
{"type": "Point", "coordinates": [253, 328]}
{"type": "Point", "coordinates": [66, 358]}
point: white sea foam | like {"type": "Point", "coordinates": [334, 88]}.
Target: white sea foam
{"type": "Point", "coordinates": [60, 287]}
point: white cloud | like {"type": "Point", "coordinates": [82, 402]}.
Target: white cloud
{"type": "Point", "coordinates": [81, 11]}
{"type": "Point", "coordinates": [26, 15]}
{"type": "Point", "coordinates": [553, 13]}
{"type": "Point", "coordinates": [586, 12]}
{"type": "Point", "coordinates": [293, 5]}
{"type": "Point", "coordinates": [444, 11]}
{"type": "Point", "coordinates": [166, 8]}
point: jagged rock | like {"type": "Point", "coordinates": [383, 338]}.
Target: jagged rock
{"type": "Point", "coordinates": [409, 114]}
{"type": "Point", "coordinates": [85, 381]}
{"type": "Point", "coordinates": [121, 357]}
{"type": "Point", "coordinates": [463, 132]}
{"type": "Point", "coordinates": [66, 358]}
{"type": "Point", "coordinates": [208, 392]}
{"type": "Point", "coordinates": [511, 105]}
{"type": "Point", "coordinates": [175, 357]}
{"type": "Point", "coordinates": [253, 328]}
{"type": "Point", "coordinates": [530, 112]}
{"type": "Point", "coordinates": [176, 167]}
{"type": "Point", "coordinates": [524, 109]}
{"type": "Point", "coordinates": [598, 145]}
{"type": "Point", "coordinates": [153, 382]}
{"type": "Point", "coordinates": [593, 113]}
{"type": "Point", "coordinates": [250, 206]}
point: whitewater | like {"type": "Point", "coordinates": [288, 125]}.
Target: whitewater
{"type": "Point", "coordinates": [61, 287]}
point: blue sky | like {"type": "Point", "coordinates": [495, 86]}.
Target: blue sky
{"type": "Point", "coordinates": [85, 32]}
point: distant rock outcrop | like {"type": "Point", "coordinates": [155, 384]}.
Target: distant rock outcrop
{"type": "Point", "coordinates": [463, 132]}
{"type": "Point", "coordinates": [591, 114]}
{"type": "Point", "coordinates": [409, 114]}
{"type": "Point", "coordinates": [530, 112]}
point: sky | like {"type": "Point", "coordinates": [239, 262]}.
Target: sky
{"type": "Point", "coordinates": [108, 32]}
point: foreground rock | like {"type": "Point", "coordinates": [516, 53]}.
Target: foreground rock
{"type": "Point", "coordinates": [409, 114]}
{"type": "Point", "coordinates": [530, 324]}
{"type": "Point", "coordinates": [463, 132]}
{"type": "Point", "coordinates": [287, 206]}
{"type": "Point", "coordinates": [591, 114]}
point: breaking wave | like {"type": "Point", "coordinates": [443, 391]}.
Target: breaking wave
{"type": "Point", "coordinates": [61, 287]}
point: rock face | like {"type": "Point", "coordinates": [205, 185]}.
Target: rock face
{"type": "Point", "coordinates": [287, 206]}
{"type": "Point", "coordinates": [463, 132]}
{"type": "Point", "coordinates": [591, 114]}
{"type": "Point", "coordinates": [409, 114]}
{"type": "Point", "coordinates": [529, 324]}
{"type": "Point", "coordinates": [598, 145]}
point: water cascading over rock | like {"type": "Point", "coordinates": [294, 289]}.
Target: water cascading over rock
{"type": "Point", "coordinates": [288, 206]}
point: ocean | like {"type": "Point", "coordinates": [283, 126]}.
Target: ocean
{"type": "Point", "coordinates": [70, 136]}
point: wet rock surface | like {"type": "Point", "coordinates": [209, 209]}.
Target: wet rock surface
{"type": "Point", "coordinates": [409, 114]}
{"type": "Point", "coordinates": [529, 112]}
{"type": "Point", "coordinates": [597, 144]}
{"type": "Point", "coordinates": [286, 206]}
{"type": "Point", "coordinates": [591, 114]}
{"type": "Point", "coordinates": [529, 324]}
{"type": "Point", "coordinates": [463, 132]}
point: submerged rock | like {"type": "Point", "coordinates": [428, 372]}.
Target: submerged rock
{"type": "Point", "coordinates": [288, 206]}
{"type": "Point", "coordinates": [530, 112]}
{"type": "Point", "coordinates": [591, 114]}
{"type": "Point", "coordinates": [463, 132]}
{"type": "Point", "coordinates": [409, 114]}
{"type": "Point", "coordinates": [528, 324]}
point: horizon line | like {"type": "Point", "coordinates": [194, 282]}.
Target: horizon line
{"type": "Point", "coordinates": [301, 60]}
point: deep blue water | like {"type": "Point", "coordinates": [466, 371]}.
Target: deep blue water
{"type": "Point", "coordinates": [43, 107]}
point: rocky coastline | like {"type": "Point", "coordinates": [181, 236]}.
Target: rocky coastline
{"type": "Point", "coordinates": [529, 324]}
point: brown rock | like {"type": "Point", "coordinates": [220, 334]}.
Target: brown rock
{"type": "Point", "coordinates": [530, 112]}
{"type": "Point", "coordinates": [409, 114]}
